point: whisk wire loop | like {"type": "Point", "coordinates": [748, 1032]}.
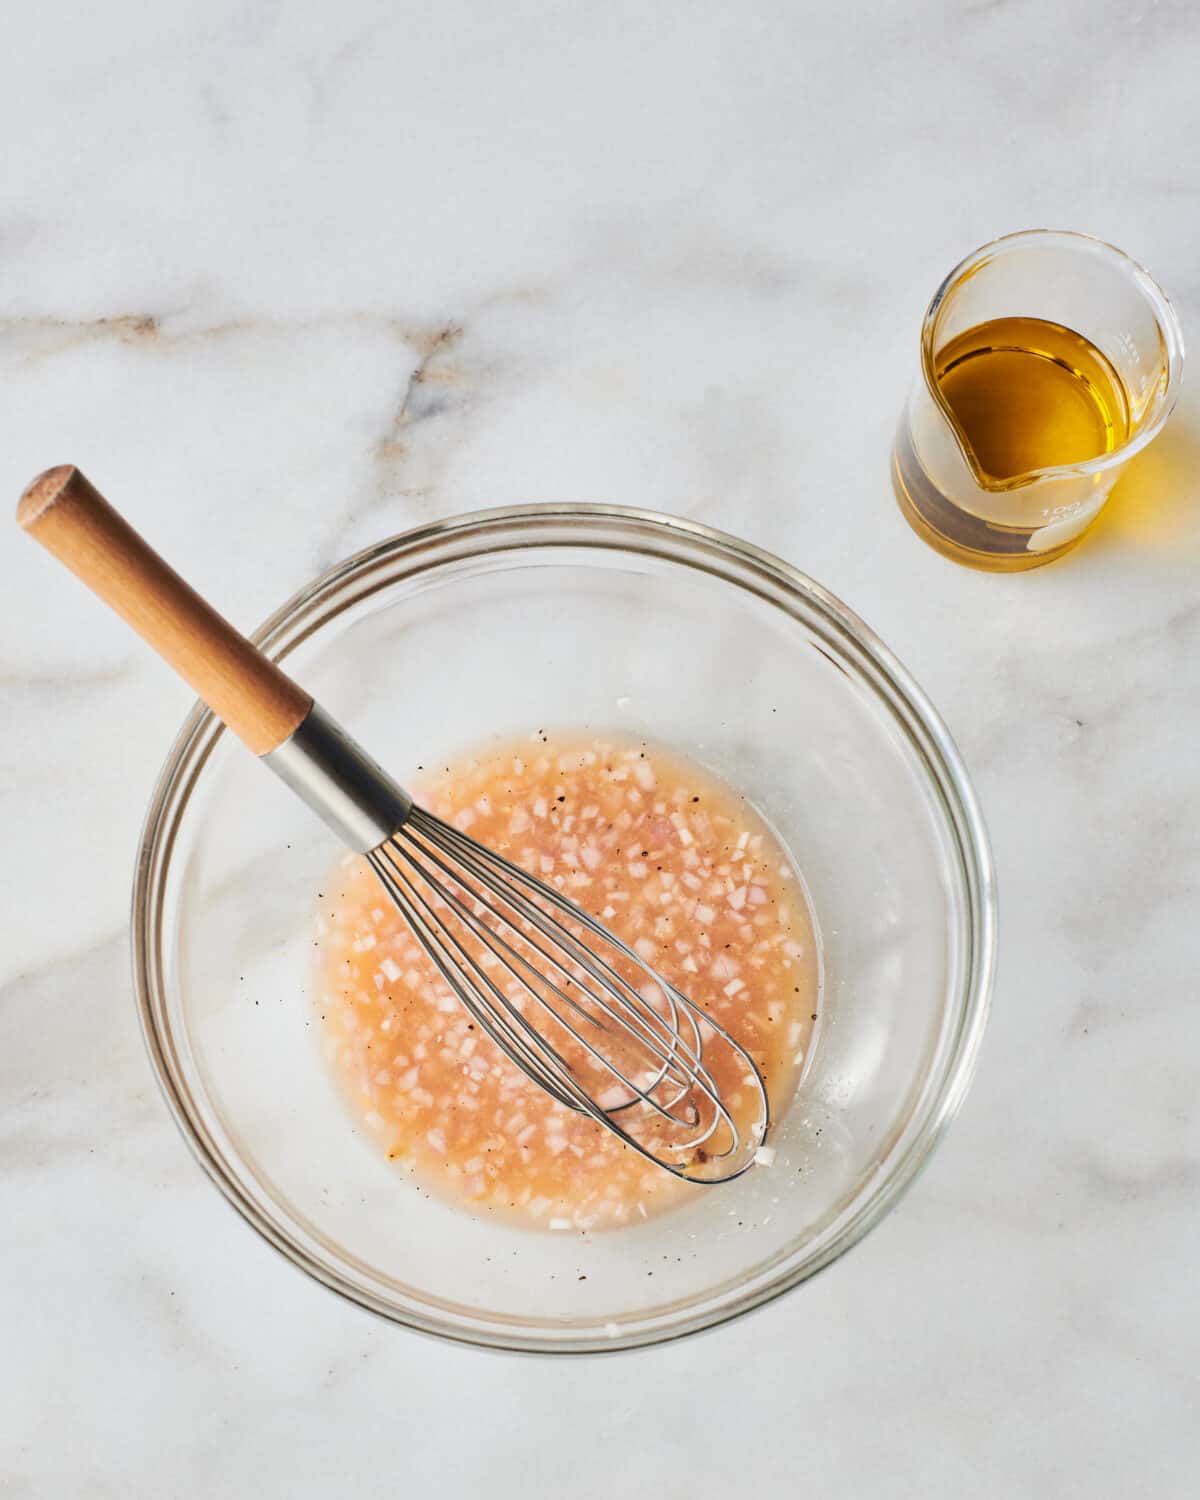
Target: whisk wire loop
{"type": "Point", "coordinates": [482, 920]}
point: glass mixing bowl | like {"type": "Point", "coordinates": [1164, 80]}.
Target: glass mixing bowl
{"type": "Point", "coordinates": [597, 618]}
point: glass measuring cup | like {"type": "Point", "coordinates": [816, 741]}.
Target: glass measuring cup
{"type": "Point", "coordinates": [1084, 287]}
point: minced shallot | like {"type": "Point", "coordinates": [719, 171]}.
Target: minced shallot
{"type": "Point", "coordinates": [678, 865]}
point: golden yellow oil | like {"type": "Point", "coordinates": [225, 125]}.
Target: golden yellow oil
{"type": "Point", "coordinates": [1028, 394]}
{"type": "Point", "coordinates": [1025, 394]}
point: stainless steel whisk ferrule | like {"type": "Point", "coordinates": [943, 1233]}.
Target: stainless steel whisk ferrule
{"type": "Point", "coordinates": [348, 790]}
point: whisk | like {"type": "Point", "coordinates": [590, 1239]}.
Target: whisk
{"type": "Point", "coordinates": [570, 1004]}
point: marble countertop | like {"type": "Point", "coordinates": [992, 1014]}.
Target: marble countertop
{"type": "Point", "coordinates": [289, 279]}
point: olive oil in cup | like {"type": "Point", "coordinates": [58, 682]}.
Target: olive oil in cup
{"type": "Point", "coordinates": [1047, 361]}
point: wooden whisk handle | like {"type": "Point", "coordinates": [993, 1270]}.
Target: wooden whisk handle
{"type": "Point", "coordinates": [260, 703]}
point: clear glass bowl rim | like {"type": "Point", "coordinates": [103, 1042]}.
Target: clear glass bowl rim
{"type": "Point", "coordinates": [623, 529]}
